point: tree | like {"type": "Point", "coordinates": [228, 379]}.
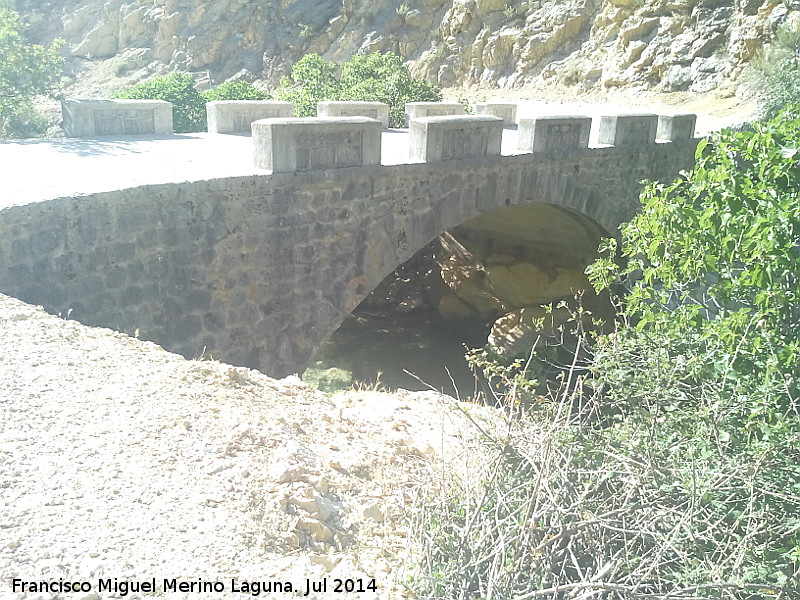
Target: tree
{"type": "Point", "coordinates": [719, 250]}
{"type": "Point", "coordinates": [372, 78]}
{"type": "Point", "coordinates": [681, 437]}
{"type": "Point", "coordinates": [313, 80]}
{"type": "Point", "coordinates": [385, 78]}
{"type": "Point", "coordinates": [26, 70]}
{"type": "Point", "coordinates": [188, 105]}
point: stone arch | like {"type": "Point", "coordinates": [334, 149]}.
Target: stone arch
{"type": "Point", "coordinates": [260, 270]}
{"type": "Point", "coordinates": [550, 235]}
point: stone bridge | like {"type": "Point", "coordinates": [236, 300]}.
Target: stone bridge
{"type": "Point", "coordinates": [259, 269]}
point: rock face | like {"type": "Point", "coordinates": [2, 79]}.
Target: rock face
{"type": "Point", "coordinates": [512, 268]}
{"type": "Point", "coordinates": [661, 44]}
{"type": "Point", "coordinates": [518, 281]}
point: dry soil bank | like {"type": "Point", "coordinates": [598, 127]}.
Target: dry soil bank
{"type": "Point", "coordinates": [121, 460]}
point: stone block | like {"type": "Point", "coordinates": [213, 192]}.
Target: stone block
{"type": "Point", "coordinates": [303, 144]}
{"type": "Point", "coordinates": [505, 110]}
{"type": "Point", "coordinates": [628, 130]}
{"type": "Point", "coordinates": [236, 116]}
{"type": "Point", "coordinates": [417, 110]}
{"type": "Point", "coordinates": [554, 133]}
{"type": "Point", "coordinates": [435, 139]}
{"type": "Point", "coordinates": [372, 110]}
{"type": "Point", "coordinates": [89, 118]}
{"type": "Point", "coordinates": [676, 127]}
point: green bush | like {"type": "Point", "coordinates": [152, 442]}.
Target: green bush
{"type": "Point", "coordinates": [776, 73]}
{"type": "Point", "coordinates": [26, 70]}
{"type": "Point", "coordinates": [671, 467]}
{"type": "Point", "coordinates": [371, 78]}
{"type": "Point", "coordinates": [385, 78]}
{"type": "Point", "coordinates": [188, 105]}
{"type": "Point", "coordinates": [22, 120]}
{"type": "Point", "coordinates": [313, 80]}
{"type": "Point", "coordinates": [235, 90]}
{"type": "Point", "coordinates": [719, 251]}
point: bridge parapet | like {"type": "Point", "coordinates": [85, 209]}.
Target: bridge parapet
{"type": "Point", "coordinates": [554, 133]}
{"type": "Point", "coordinates": [418, 110]}
{"type": "Point", "coordinates": [260, 269]}
{"type": "Point", "coordinates": [628, 130]}
{"type": "Point", "coordinates": [372, 110]}
{"type": "Point", "coordinates": [305, 144]}
{"type": "Point", "coordinates": [89, 118]}
{"type": "Point", "coordinates": [678, 126]}
{"type": "Point", "coordinates": [436, 139]}
{"type": "Point", "coordinates": [505, 110]}
{"type": "Point", "coordinates": [236, 116]}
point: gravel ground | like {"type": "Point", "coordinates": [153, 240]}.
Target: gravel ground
{"type": "Point", "coordinates": [121, 461]}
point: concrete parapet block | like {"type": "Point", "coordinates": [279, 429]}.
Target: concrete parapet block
{"type": "Point", "coordinates": [554, 133]}
{"type": "Point", "coordinates": [372, 110]}
{"type": "Point", "coordinates": [236, 116]}
{"type": "Point", "coordinates": [505, 110]}
{"type": "Point", "coordinates": [88, 118]}
{"type": "Point", "coordinates": [435, 139]}
{"type": "Point", "coordinates": [628, 130]}
{"type": "Point", "coordinates": [418, 110]}
{"type": "Point", "coordinates": [307, 144]}
{"type": "Point", "coordinates": [676, 127]}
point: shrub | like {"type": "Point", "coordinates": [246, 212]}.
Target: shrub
{"type": "Point", "coordinates": [188, 105]}
{"type": "Point", "coordinates": [313, 80]}
{"type": "Point", "coordinates": [776, 73]}
{"type": "Point", "coordinates": [372, 78]}
{"type": "Point", "coordinates": [672, 467]}
{"type": "Point", "coordinates": [306, 30]}
{"type": "Point", "coordinates": [26, 70]}
{"type": "Point", "coordinates": [385, 78]}
{"type": "Point", "coordinates": [718, 251]}
{"type": "Point", "coordinates": [21, 120]}
{"type": "Point", "coordinates": [235, 90]}
{"type": "Point", "coordinates": [663, 503]}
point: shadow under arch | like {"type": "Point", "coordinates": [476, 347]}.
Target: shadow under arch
{"type": "Point", "coordinates": [413, 329]}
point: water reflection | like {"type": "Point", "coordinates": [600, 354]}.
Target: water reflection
{"type": "Point", "coordinates": [417, 350]}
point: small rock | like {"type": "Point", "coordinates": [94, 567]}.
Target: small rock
{"type": "Point", "coordinates": [305, 499]}
{"type": "Point", "coordinates": [375, 513]}
{"type": "Point", "coordinates": [316, 529]}
{"type": "Point", "coordinates": [327, 508]}
{"type": "Point", "coordinates": [327, 562]}
{"type": "Point", "coordinates": [322, 485]}
{"type": "Point", "coordinates": [291, 473]}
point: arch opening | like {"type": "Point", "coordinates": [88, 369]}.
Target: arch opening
{"type": "Point", "coordinates": [482, 281]}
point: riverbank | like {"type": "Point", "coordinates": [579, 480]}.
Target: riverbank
{"type": "Point", "coordinates": [121, 460]}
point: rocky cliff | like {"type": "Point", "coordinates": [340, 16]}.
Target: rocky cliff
{"type": "Point", "coordinates": [665, 45]}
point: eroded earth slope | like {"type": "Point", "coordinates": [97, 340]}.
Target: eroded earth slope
{"type": "Point", "coordinates": [121, 460]}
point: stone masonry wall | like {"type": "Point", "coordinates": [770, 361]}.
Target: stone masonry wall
{"type": "Point", "coordinates": [258, 271]}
